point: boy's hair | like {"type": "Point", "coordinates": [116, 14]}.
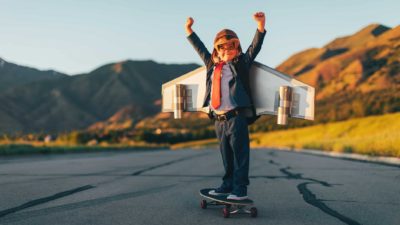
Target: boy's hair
{"type": "Point", "coordinates": [222, 37]}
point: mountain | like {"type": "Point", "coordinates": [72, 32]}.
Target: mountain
{"type": "Point", "coordinates": [13, 75]}
{"type": "Point", "coordinates": [363, 62]}
{"type": "Point", "coordinates": [125, 118]}
{"type": "Point", "coordinates": [76, 102]}
{"type": "Point", "coordinates": [355, 76]}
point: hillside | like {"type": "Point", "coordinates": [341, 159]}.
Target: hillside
{"type": "Point", "coordinates": [76, 102]}
{"type": "Point", "coordinates": [365, 61]}
{"type": "Point", "coordinates": [374, 135]}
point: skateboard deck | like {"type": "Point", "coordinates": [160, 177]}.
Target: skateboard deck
{"type": "Point", "coordinates": [239, 206]}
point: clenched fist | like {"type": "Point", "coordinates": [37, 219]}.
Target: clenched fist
{"type": "Point", "coordinates": [259, 17]}
{"type": "Point", "coordinates": [189, 22]}
{"type": "Point", "coordinates": [188, 26]}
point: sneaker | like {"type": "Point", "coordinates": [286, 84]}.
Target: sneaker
{"type": "Point", "coordinates": [219, 191]}
{"type": "Point", "coordinates": [235, 197]}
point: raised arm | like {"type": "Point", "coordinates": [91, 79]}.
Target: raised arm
{"type": "Point", "coordinates": [258, 39]}
{"type": "Point", "coordinates": [197, 43]}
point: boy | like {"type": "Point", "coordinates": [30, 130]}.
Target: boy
{"type": "Point", "coordinates": [229, 99]}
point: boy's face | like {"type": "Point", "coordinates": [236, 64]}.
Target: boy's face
{"type": "Point", "coordinates": [227, 52]}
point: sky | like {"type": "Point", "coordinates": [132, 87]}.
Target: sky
{"type": "Point", "coordinates": [74, 37]}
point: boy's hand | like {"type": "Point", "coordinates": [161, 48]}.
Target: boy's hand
{"type": "Point", "coordinates": [189, 22]}
{"type": "Point", "coordinates": [259, 17]}
{"type": "Point", "coordinates": [188, 26]}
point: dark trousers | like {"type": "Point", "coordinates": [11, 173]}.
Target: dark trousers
{"type": "Point", "coordinates": [234, 143]}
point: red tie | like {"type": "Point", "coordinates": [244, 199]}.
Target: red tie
{"type": "Point", "coordinates": [216, 86]}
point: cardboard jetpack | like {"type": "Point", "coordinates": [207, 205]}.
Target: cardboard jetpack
{"type": "Point", "coordinates": [273, 92]}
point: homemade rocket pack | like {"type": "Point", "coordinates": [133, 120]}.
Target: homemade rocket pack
{"type": "Point", "coordinates": [273, 92]}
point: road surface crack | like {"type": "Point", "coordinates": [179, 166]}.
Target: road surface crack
{"type": "Point", "coordinates": [84, 204]}
{"type": "Point", "coordinates": [311, 199]}
{"type": "Point", "coordinates": [44, 200]}
{"type": "Point", "coordinates": [137, 173]}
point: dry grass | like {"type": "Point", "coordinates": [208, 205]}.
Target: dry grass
{"type": "Point", "coordinates": [375, 135]}
{"type": "Point", "coordinates": [196, 144]}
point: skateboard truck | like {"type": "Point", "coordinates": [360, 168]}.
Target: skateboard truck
{"type": "Point", "coordinates": [231, 209]}
{"type": "Point", "coordinates": [231, 206]}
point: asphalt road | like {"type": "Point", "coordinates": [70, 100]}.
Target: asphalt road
{"type": "Point", "coordinates": [161, 187]}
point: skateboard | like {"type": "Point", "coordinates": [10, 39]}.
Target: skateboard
{"type": "Point", "coordinates": [231, 206]}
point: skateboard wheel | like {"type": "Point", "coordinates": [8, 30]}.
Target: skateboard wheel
{"type": "Point", "coordinates": [253, 212]}
{"type": "Point", "coordinates": [203, 204]}
{"type": "Point", "coordinates": [226, 212]}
